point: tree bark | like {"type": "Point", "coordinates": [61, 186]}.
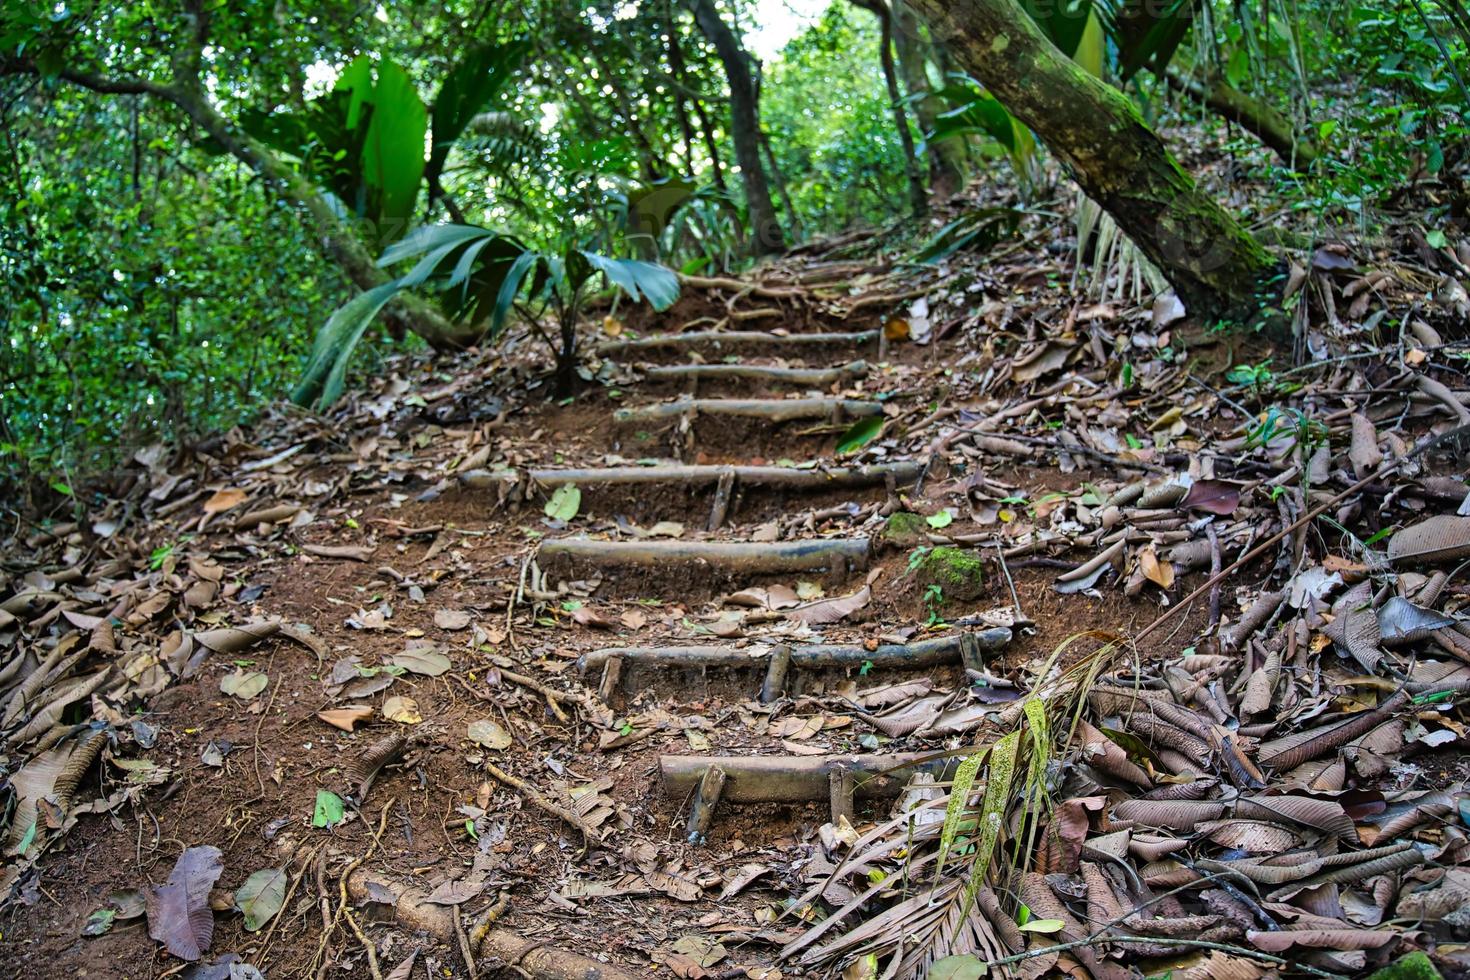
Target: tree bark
{"type": "Point", "coordinates": [1257, 118]}
{"type": "Point", "coordinates": [918, 196]}
{"type": "Point", "coordinates": [946, 157]}
{"type": "Point", "coordinates": [338, 240]}
{"type": "Point", "coordinates": [766, 235]}
{"type": "Point", "coordinates": [1218, 270]}
{"type": "Point", "coordinates": [681, 89]}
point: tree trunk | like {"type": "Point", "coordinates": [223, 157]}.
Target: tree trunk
{"type": "Point", "coordinates": [1218, 270]}
{"type": "Point", "coordinates": [946, 157]}
{"type": "Point", "coordinates": [766, 234]}
{"type": "Point", "coordinates": [1258, 118]}
{"type": "Point", "coordinates": [676, 67]}
{"type": "Point", "coordinates": [918, 196]}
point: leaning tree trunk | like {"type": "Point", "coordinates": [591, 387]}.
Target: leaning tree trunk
{"type": "Point", "coordinates": [946, 157]}
{"type": "Point", "coordinates": [1218, 270]}
{"type": "Point", "coordinates": [767, 237]}
{"type": "Point", "coordinates": [918, 196]}
{"type": "Point", "coordinates": [1268, 125]}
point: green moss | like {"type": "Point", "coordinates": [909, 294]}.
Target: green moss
{"type": "Point", "coordinates": [959, 574]}
{"type": "Point", "coordinates": [905, 529]}
{"type": "Point", "coordinates": [1415, 966]}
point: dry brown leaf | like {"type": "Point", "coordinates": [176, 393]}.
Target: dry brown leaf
{"type": "Point", "coordinates": [1161, 573]}
{"type": "Point", "coordinates": [222, 500]}
{"type": "Point", "coordinates": [346, 718]}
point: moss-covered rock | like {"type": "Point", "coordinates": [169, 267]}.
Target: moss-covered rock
{"type": "Point", "coordinates": [905, 529]}
{"type": "Point", "coordinates": [1415, 966]}
{"type": "Point", "coordinates": [960, 574]}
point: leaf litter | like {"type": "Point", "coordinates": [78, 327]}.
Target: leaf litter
{"type": "Point", "coordinates": [1276, 770]}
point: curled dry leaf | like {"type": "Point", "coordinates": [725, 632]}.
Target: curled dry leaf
{"type": "Point", "coordinates": [1212, 496]}
{"type": "Point", "coordinates": [346, 718]}
{"type": "Point", "coordinates": [489, 734]}
{"type": "Point", "coordinates": [404, 710]}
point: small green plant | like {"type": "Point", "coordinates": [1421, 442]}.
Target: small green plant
{"type": "Point", "coordinates": [933, 600]}
{"type": "Point", "coordinates": [1257, 376]}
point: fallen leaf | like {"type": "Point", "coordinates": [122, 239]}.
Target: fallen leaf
{"type": "Point", "coordinates": [346, 718]}
{"type": "Point", "coordinates": [1212, 496]}
{"type": "Point", "coordinates": [565, 501]}
{"type": "Point", "coordinates": [455, 892]}
{"type": "Point", "coordinates": [329, 809]}
{"type": "Point", "coordinates": [451, 619]}
{"type": "Point", "coordinates": [244, 684]}
{"type": "Point", "coordinates": [223, 500]}
{"type": "Point", "coordinates": [704, 950]}
{"type": "Point", "coordinates": [489, 734]}
{"type": "Point", "coordinates": [261, 897]}
{"type": "Point", "coordinates": [178, 912]}
{"type": "Point", "coordinates": [1161, 573]}
{"type": "Point", "coordinates": [404, 710]}
{"type": "Point", "coordinates": [425, 660]}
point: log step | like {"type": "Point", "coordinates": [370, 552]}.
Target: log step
{"type": "Point", "coordinates": [770, 409]}
{"type": "Point", "coordinates": [814, 377]}
{"type": "Point", "coordinates": [761, 557]}
{"type": "Point", "coordinates": [718, 339]}
{"type": "Point", "coordinates": [787, 477]}
{"type": "Point", "coordinates": [800, 778]}
{"type": "Point", "coordinates": [967, 648]}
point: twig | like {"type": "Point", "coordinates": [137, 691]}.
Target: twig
{"type": "Point", "coordinates": [265, 940]}
{"type": "Point", "coordinates": [539, 800]}
{"type": "Point", "coordinates": [488, 919]}
{"type": "Point", "coordinates": [372, 953]}
{"type": "Point", "coordinates": [464, 946]}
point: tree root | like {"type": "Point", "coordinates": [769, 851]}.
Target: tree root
{"type": "Point", "coordinates": [536, 960]}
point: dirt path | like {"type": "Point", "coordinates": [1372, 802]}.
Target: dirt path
{"type": "Point", "coordinates": [410, 553]}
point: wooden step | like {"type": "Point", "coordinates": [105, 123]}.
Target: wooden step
{"type": "Point", "coordinates": [770, 409]}
{"type": "Point", "coordinates": [786, 477]}
{"type": "Point", "coordinates": [952, 649]}
{"type": "Point", "coordinates": [737, 338]}
{"type": "Point", "coordinates": [810, 377]}
{"type": "Point", "coordinates": [759, 557]}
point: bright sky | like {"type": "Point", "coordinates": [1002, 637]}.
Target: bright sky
{"type": "Point", "coordinates": [774, 22]}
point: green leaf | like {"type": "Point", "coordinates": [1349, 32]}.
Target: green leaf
{"type": "Point", "coordinates": [61, 488]}
{"type": "Point", "coordinates": [99, 922]}
{"type": "Point", "coordinates": [393, 146]}
{"type": "Point", "coordinates": [939, 519]}
{"type": "Point", "coordinates": [1043, 926]}
{"type": "Point", "coordinates": [964, 967]}
{"type": "Point", "coordinates": [329, 809]}
{"type": "Point", "coordinates": [262, 896]}
{"type": "Point", "coordinates": [466, 90]}
{"type": "Point", "coordinates": [859, 434]}
{"type": "Point", "coordinates": [978, 230]}
{"type": "Point", "coordinates": [1436, 239]}
{"type": "Point", "coordinates": [326, 370]}
{"type": "Point", "coordinates": [646, 280]}
{"type": "Point", "coordinates": [565, 501]}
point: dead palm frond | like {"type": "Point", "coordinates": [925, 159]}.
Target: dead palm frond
{"type": "Point", "coordinates": [1119, 270]}
{"type": "Point", "coordinates": [929, 882]}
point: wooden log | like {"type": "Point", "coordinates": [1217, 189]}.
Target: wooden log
{"type": "Point", "coordinates": [816, 377]}
{"type": "Point", "coordinates": [744, 556]}
{"type": "Point", "coordinates": [737, 338]}
{"type": "Point", "coordinates": [840, 791]}
{"type": "Point", "coordinates": [702, 809]}
{"type": "Point", "coordinates": [777, 664]}
{"type": "Point", "coordinates": [751, 476]}
{"type": "Point", "coordinates": [800, 778]}
{"type": "Point", "coordinates": [533, 956]}
{"type": "Point", "coordinates": [770, 409]}
{"type": "Point", "coordinates": [925, 653]}
{"type": "Point", "coordinates": [612, 673]}
{"type": "Point", "coordinates": [720, 506]}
